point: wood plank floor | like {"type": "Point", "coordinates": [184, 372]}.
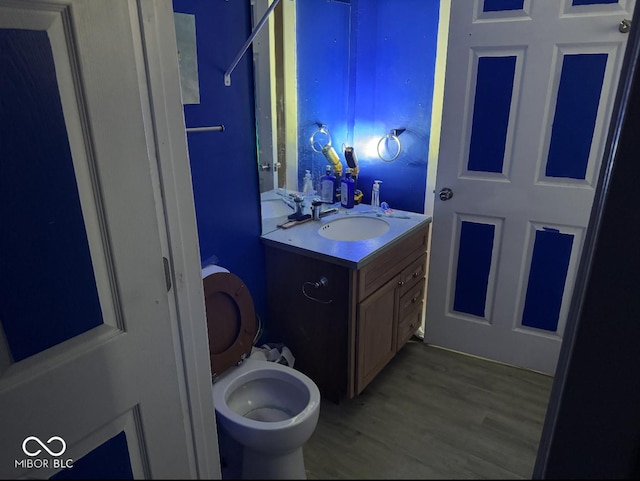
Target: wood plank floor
{"type": "Point", "coordinates": [433, 414]}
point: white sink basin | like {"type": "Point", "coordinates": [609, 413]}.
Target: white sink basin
{"type": "Point", "coordinates": [274, 208]}
{"type": "Point", "coordinates": [353, 228]}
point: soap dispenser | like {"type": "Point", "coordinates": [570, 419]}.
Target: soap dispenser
{"type": "Point", "coordinates": [375, 193]}
{"type": "Point", "coordinates": [307, 185]}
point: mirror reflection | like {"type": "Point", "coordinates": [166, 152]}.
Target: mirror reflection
{"type": "Point", "coordinates": [348, 85]}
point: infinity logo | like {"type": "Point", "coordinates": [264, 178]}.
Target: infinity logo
{"type": "Point", "coordinates": [44, 446]}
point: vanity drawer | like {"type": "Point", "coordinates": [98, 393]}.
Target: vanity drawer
{"type": "Point", "coordinates": [410, 314]}
{"type": "Point", "coordinates": [400, 257]}
{"type": "Point", "coordinates": [412, 274]}
{"type": "Point", "coordinates": [412, 299]}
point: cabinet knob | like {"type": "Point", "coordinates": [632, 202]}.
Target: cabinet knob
{"type": "Point", "coordinates": [401, 283]}
{"type": "Point", "coordinates": [415, 274]}
{"type": "Point", "coordinates": [414, 299]}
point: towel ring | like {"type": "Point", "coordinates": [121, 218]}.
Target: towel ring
{"type": "Point", "coordinates": [312, 140]}
{"type": "Point", "coordinates": [385, 139]}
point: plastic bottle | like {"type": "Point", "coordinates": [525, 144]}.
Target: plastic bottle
{"type": "Point", "coordinates": [307, 185]}
{"type": "Point", "coordinates": [375, 193]}
{"type": "Point", "coordinates": [347, 190]}
{"type": "Point", "coordinates": [328, 186]}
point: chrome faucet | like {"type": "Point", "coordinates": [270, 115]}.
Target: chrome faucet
{"type": "Point", "coordinates": [316, 209]}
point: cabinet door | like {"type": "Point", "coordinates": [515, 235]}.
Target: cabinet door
{"type": "Point", "coordinates": [410, 313]}
{"type": "Point", "coordinates": [376, 333]}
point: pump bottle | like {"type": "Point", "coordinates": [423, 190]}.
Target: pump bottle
{"type": "Point", "coordinates": [375, 193]}
{"type": "Point", "coordinates": [307, 186]}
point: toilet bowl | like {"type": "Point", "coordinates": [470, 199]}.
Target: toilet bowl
{"type": "Point", "coordinates": [269, 409]}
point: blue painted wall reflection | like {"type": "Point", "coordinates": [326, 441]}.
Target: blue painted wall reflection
{"type": "Point", "coordinates": [364, 69]}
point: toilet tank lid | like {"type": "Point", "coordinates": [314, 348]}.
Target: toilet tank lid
{"type": "Point", "coordinates": [212, 269]}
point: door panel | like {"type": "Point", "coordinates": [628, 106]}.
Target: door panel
{"type": "Point", "coordinates": [491, 109]}
{"type": "Point", "coordinates": [475, 265]}
{"type": "Point", "coordinates": [40, 202]}
{"type": "Point", "coordinates": [546, 280]}
{"type": "Point", "coordinates": [525, 118]}
{"type": "Point", "coordinates": [88, 354]}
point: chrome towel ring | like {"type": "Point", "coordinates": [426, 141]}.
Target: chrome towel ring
{"type": "Point", "coordinates": [316, 137]}
{"type": "Point", "coordinates": [394, 138]}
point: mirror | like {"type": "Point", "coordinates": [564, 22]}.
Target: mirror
{"type": "Point", "coordinates": [275, 75]}
{"type": "Point", "coordinates": [352, 71]}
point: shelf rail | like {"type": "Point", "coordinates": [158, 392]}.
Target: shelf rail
{"type": "Point", "coordinates": [213, 128]}
{"type": "Point", "coordinates": [256, 30]}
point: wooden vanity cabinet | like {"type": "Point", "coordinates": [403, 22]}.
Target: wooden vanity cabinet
{"type": "Point", "coordinates": [343, 334]}
{"type": "Point", "coordinates": [390, 300]}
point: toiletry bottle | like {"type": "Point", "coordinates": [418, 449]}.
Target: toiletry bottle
{"type": "Point", "coordinates": [327, 186]}
{"type": "Point", "coordinates": [347, 191]}
{"type": "Point", "coordinates": [337, 186]}
{"type": "Point", "coordinates": [307, 185]}
{"type": "Point", "coordinates": [375, 193]}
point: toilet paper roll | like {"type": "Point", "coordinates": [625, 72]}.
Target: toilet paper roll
{"type": "Point", "coordinates": [212, 269]}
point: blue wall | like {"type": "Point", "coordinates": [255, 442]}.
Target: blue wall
{"type": "Point", "coordinates": [366, 67]}
{"type": "Point", "coordinates": [224, 165]}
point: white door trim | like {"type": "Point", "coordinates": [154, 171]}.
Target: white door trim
{"type": "Point", "coordinates": [190, 331]}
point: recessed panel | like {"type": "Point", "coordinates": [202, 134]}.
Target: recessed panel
{"type": "Point", "coordinates": [547, 278]}
{"type": "Point", "coordinates": [110, 460]}
{"type": "Point", "coordinates": [502, 5]}
{"type": "Point", "coordinates": [576, 110]}
{"type": "Point", "coordinates": [475, 254]}
{"type": "Point", "coordinates": [598, 7]}
{"type": "Point", "coordinates": [491, 113]}
{"type": "Point", "coordinates": [502, 10]}
{"type": "Point", "coordinates": [48, 283]}
{"type": "Point", "coordinates": [593, 2]}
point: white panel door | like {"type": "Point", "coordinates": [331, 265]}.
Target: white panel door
{"type": "Point", "coordinates": [79, 385]}
{"type": "Point", "coordinates": [529, 88]}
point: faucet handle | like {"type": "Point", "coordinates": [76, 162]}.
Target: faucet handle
{"type": "Point", "coordinates": [316, 208]}
{"type": "Point", "coordinates": [296, 197]}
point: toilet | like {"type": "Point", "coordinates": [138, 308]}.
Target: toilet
{"type": "Point", "coordinates": [267, 408]}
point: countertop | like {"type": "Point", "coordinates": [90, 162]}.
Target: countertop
{"type": "Point", "coordinates": [305, 240]}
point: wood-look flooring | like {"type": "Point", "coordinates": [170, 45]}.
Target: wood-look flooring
{"type": "Point", "coordinates": [433, 414]}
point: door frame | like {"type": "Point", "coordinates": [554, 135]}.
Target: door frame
{"type": "Point", "coordinates": [175, 203]}
{"type": "Point", "coordinates": [434, 139]}
{"type": "Point", "coordinates": [620, 434]}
